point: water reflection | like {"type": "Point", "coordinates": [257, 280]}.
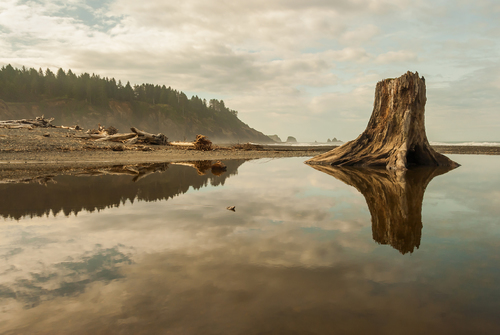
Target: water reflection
{"type": "Point", "coordinates": [108, 187]}
{"type": "Point", "coordinates": [296, 257]}
{"type": "Point", "coordinates": [394, 200]}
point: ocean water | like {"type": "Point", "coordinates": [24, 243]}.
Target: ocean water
{"type": "Point", "coordinates": [455, 143]}
{"type": "Point", "coordinates": [306, 251]}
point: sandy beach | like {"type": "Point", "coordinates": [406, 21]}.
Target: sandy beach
{"type": "Point", "coordinates": [30, 153]}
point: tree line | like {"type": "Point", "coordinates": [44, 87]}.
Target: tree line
{"type": "Point", "coordinates": [31, 85]}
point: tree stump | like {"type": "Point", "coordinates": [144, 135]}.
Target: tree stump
{"type": "Point", "coordinates": [395, 136]}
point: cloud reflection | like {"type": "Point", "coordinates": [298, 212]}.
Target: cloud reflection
{"type": "Point", "coordinates": [295, 257]}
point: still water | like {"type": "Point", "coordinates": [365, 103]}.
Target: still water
{"type": "Point", "coordinates": [306, 251]}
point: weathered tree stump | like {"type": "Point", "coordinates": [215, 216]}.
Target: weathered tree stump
{"type": "Point", "coordinates": [395, 136]}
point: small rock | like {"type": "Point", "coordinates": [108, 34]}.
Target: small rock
{"type": "Point", "coordinates": [232, 208]}
{"type": "Point", "coordinates": [46, 135]}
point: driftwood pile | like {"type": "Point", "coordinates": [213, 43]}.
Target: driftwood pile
{"type": "Point", "coordinates": [202, 143]}
{"type": "Point", "coordinates": [101, 130]}
{"type": "Point", "coordinates": [136, 136]}
{"type": "Point", "coordinates": [39, 121]}
{"type": "Point", "coordinates": [30, 124]}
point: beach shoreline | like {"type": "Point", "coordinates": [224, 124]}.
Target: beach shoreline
{"type": "Point", "coordinates": [42, 151]}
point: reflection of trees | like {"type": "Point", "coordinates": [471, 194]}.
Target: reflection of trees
{"type": "Point", "coordinates": [102, 188]}
{"type": "Point", "coordinates": [394, 200]}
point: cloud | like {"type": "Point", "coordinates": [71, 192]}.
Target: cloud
{"type": "Point", "coordinates": [396, 56]}
{"type": "Point", "coordinates": [360, 35]}
{"type": "Point", "coordinates": [293, 52]}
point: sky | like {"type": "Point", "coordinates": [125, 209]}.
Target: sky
{"type": "Point", "coordinates": [306, 69]}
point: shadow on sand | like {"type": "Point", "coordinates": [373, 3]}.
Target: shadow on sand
{"type": "Point", "coordinates": [394, 199]}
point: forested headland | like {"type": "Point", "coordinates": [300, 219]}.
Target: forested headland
{"type": "Point", "coordinates": [87, 100]}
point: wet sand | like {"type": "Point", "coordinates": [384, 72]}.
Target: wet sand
{"type": "Point", "coordinates": [42, 151]}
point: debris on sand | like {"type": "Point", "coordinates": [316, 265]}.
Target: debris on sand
{"type": "Point", "coordinates": [39, 121]}
{"type": "Point", "coordinates": [202, 143]}
{"type": "Point", "coordinates": [248, 147]}
{"type": "Point", "coordinates": [136, 136]}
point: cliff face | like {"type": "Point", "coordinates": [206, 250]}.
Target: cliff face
{"type": "Point", "coordinates": [395, 136]}
{"type": "Point", "coordinates": [275, 138]}
{"type": "Point", "coordinates": [218, 127]}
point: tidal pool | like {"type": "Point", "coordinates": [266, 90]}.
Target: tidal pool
{"type": "Point", "coordinates": [306, 251]}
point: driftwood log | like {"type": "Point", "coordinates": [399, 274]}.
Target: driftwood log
{"type": "Point", "coordinates": [394, 199]}
{"type": "Point", "coordinates": [145, 137]}
{"type": "Point", "coordinates": [39, 121]}
{"type": "Point", "coordinates": [395, 136]}
{"type": "Point", "coordinates": [201, 143]}
{"type": "Point", "coordinates": [136, 136]}
{"type": "Point", "coordinates": [101, 130]}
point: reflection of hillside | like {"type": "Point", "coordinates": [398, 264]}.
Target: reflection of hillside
{"type": "Point", "coordinates": [394, 200]}
{"type": "Point", "coordinates": [74, 194]}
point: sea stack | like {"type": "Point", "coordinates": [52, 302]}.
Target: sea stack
{"type": "Point", "coordinates": [395, 136]}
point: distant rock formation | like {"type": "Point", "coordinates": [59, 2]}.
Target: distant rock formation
{"type": "Point", "coordinates": [291, 139]}
{"type": "Point", "coordinates": [395, 136]}
{"type": "Point", "coordinates": [275, 138]}
{"type": "Point", "coordinates": [394, 199]}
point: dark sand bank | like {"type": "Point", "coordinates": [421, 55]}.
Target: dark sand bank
{"type": "Point", "coordinates": [42, 151]}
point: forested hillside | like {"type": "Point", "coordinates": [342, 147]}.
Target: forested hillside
{"type": "Point", "coordinates": [87, 100]}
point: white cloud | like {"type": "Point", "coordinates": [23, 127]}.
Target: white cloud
{"type": "Point", "coordinates": [290, 52]}
{"type": "Point", "coordinates": [360, 35]}
{"type": "Point", "coordinates": [396, 56]}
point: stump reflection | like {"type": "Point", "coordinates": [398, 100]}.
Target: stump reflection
{"type": "Point", "coordinates": [394, 199]}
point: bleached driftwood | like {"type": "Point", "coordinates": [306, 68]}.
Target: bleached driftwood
{"type": "Point", "coordinates": [117, 137]}
{"type": "Point", "coordinates": [39, 121]}
{"type": "Point", "coordinates": [201, 143]}
{"type": "Point", "coordinates": [75, 127]}
{"type": "Point", "coordinates": [137, 136]}
{"type": "Point", "coordinates": [182, 144]}
{"type": "Point", "coordinates": [145, 137]}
